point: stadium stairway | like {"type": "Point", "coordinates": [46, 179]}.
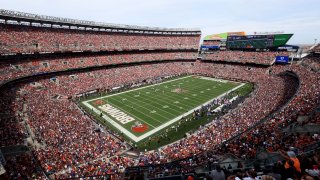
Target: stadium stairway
{"type": "Point", "coordinates": [305, 124]}
{"type": "Point", "coordinates": [312, 47]}
{"type": "Point", "coordinates": [308, 128]}
{"type": "Point", "coordinates": [30, 139]}
{"type": "Point", "coordinates": [131, 154]}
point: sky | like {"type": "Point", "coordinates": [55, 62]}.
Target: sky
{"type": "Point", "coordinates": [301, 17]}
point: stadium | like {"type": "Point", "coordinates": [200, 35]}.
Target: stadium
{"type": "Point", "coordinates": [87, 100]}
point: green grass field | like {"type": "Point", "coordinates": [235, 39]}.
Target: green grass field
{"type": "Point", "coordinates": [141, 113]}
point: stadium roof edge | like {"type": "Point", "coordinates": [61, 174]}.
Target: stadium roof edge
{"type": "Point", "coordinates": [16, 15]}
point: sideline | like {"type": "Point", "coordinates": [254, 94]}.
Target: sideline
{"type": "Point", "coordinates": [168, 123]}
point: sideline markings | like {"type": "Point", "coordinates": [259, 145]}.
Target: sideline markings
{"type": "Point", "coordinates": [166, 124]}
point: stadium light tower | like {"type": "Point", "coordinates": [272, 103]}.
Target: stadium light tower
{"type": "Point", "coordinates": [315, 41]}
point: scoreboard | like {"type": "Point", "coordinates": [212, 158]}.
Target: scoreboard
{"type": "Point", "coordinates": [250, 41]}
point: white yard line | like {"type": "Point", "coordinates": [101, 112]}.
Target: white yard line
{"type": "Point", "coordinates": [191, 98]}
{"type": "Point", "coordinates": [154, 107]}
{"type": "Point", "coordinates": [168, 123]}
{"type": "Point", "coordinates": [138, 88]}
{"type": "Point", "coordinates": [136, 116]}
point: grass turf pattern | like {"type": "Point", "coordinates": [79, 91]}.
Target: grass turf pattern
{"type": "Point", "coordinates": [157, 104]}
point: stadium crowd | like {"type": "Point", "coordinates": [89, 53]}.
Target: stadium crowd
{"type": "Point", "coordinates": [264, 57]}
{"type": "Point", "coordinates": [72, 147]}
{"type": "Point", "coordinates": [29, 39]}
{"type": "Point", "coordinates": [22, 166]}
{"type": "Point", "coordinates": [19, 68]}
{"type": "Point", "coordinates": [67, 143]}
{"type": "Point", "coordinates": [238, 120]}
{"type": "Point", "coordinates": [66, 133]}
{"type": "Point", "coordinates": [12, 131]}
{"type": "Point", "coordinates": [268, 135]}
{"type": "Point", "coordinates": [312, 62]}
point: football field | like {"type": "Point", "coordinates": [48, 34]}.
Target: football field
{"type": "Point", "coordinates": [139, 113]}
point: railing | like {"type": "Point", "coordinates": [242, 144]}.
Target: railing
{"type": "Point", "coordinates": [52, 19]}
{"type": "Point", "coordinates": [311, 147]}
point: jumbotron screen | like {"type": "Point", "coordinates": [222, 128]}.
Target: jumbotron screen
{"type": "Point", "coordinates": [250, 41]}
